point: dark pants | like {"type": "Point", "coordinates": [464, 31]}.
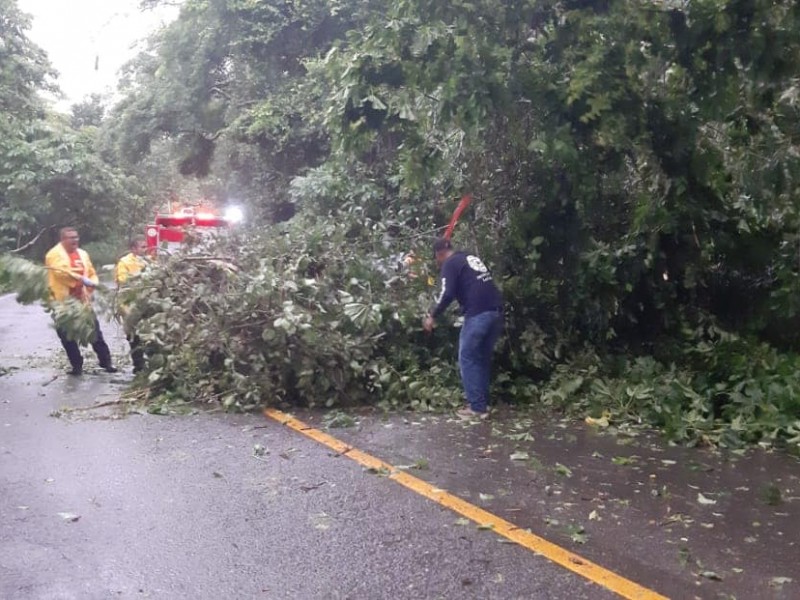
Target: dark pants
{"type": "Point", "coordinates": [74, 350]}
{"type": "Point", "coordinates": [137, 352]}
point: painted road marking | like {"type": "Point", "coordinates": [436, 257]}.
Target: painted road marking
{"type": "Point", "coordinates": [591, 571]}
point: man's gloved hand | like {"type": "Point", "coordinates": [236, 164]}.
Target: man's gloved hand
{"type": "Point", "coordinates": [88, 282]}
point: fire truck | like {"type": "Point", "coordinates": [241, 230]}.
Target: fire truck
{"type": "Point", "coordinates": [169, 230]}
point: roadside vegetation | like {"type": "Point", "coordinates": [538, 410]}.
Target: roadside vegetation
{"type": "Point", "coordinates": [634, 167]}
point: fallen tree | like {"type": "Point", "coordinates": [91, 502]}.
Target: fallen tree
{"type": "Point", "coordinates": [299, 314]}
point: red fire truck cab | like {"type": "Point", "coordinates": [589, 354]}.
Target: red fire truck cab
{"type": "Point", "coordinates": [170, 229]}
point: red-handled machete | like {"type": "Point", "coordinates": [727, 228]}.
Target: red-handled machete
{"type": "Point", "coordinates": [462, 206]}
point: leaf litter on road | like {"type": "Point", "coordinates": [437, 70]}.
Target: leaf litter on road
{"type": "Point", "coordinates": [577, 533]}
{"type": "Point", "coordinates": [563, 470]}
{"type": "Point", "coordinates": [338, 419]}
{"type": "Point", "coordinates": [69, 517]}
{"type": "Point", "coordinates": [321, 521]}
{"type": "Point", "coordinates": [259, 450]}
{"type": "Point", "coordinates": [701, 499]}
{"type": "Point", "coordinates": [421, 464]}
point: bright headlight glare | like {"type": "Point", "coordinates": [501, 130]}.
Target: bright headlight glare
{"type": "Point", "coordinates": [234, 214]}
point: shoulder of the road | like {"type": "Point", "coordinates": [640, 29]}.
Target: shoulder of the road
{"type": "Point", "coordinates": [553, 552]}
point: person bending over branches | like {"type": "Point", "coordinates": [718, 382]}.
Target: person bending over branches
{"type": "Point", "coordinates": [465, 278]}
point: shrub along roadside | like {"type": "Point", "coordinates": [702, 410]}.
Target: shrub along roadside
{"type": "Point", "coordinates": [731, 393]}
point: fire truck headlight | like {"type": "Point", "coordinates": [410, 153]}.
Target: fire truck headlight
{"type": "Point", "coordinates": [234, 214]}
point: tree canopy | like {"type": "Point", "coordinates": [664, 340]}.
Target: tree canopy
{"type": "Point", "coordinates": [51, 173]}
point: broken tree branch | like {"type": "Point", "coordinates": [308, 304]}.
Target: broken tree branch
{"type": "Point", "coordinates": [34, 240]}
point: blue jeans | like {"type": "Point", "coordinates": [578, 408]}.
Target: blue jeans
{"type": "Point", "coordinates": [475, 345]}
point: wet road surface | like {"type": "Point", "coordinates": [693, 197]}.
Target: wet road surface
{"type": "Point", "coordinates": [233, 506]}
{"type": "Point", "coordinates": [687, 523]}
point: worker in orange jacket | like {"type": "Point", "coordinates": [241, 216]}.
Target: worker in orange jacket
{"type": "Point", "coordinates": [70, 274]}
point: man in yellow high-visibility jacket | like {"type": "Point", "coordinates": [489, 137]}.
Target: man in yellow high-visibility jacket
{"type": "Point", "coordinates": [70, 273]}
{"type": "Point", "coordinates": [127, 266]}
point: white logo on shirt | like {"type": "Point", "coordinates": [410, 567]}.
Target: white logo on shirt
{"type": "Point", "coordinates": [476, 264]}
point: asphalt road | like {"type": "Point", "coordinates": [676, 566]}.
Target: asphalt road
{"type": "Point", "coordinates": [105, 503]}
{"type": "Point", "coordinates": [213, 506]}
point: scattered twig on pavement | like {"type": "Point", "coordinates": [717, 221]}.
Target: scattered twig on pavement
{"type": "Point", "coordinates": [49, 381]}
{"type": "Point", "coordinates": [308, 488]}
{"type": "Point", "coordinates": [98, 405]}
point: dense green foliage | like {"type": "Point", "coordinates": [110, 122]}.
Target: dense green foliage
{"type": "Point", "coordinates": [635, 172]}
{"type": "Point", "coordinates": [300, 315]}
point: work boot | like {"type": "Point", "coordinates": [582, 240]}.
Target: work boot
{"type": "Point", "coordinates": [110, 369]}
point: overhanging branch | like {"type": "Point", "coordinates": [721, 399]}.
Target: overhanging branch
{"type": "Point", "coordinates": [34, 240]}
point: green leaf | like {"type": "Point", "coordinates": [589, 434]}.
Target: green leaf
{"type": "Point", "coordinates": [563, 470]}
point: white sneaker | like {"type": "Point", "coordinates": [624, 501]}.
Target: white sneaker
{"type": "Point", "coordinates": [468, 414]}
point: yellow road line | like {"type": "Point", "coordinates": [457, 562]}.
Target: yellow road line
{"type": "Point", "coordinates": [591, 571]}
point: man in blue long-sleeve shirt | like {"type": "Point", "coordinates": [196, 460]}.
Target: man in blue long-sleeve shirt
{"type": "Point", "coordinates": [465, 278]}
